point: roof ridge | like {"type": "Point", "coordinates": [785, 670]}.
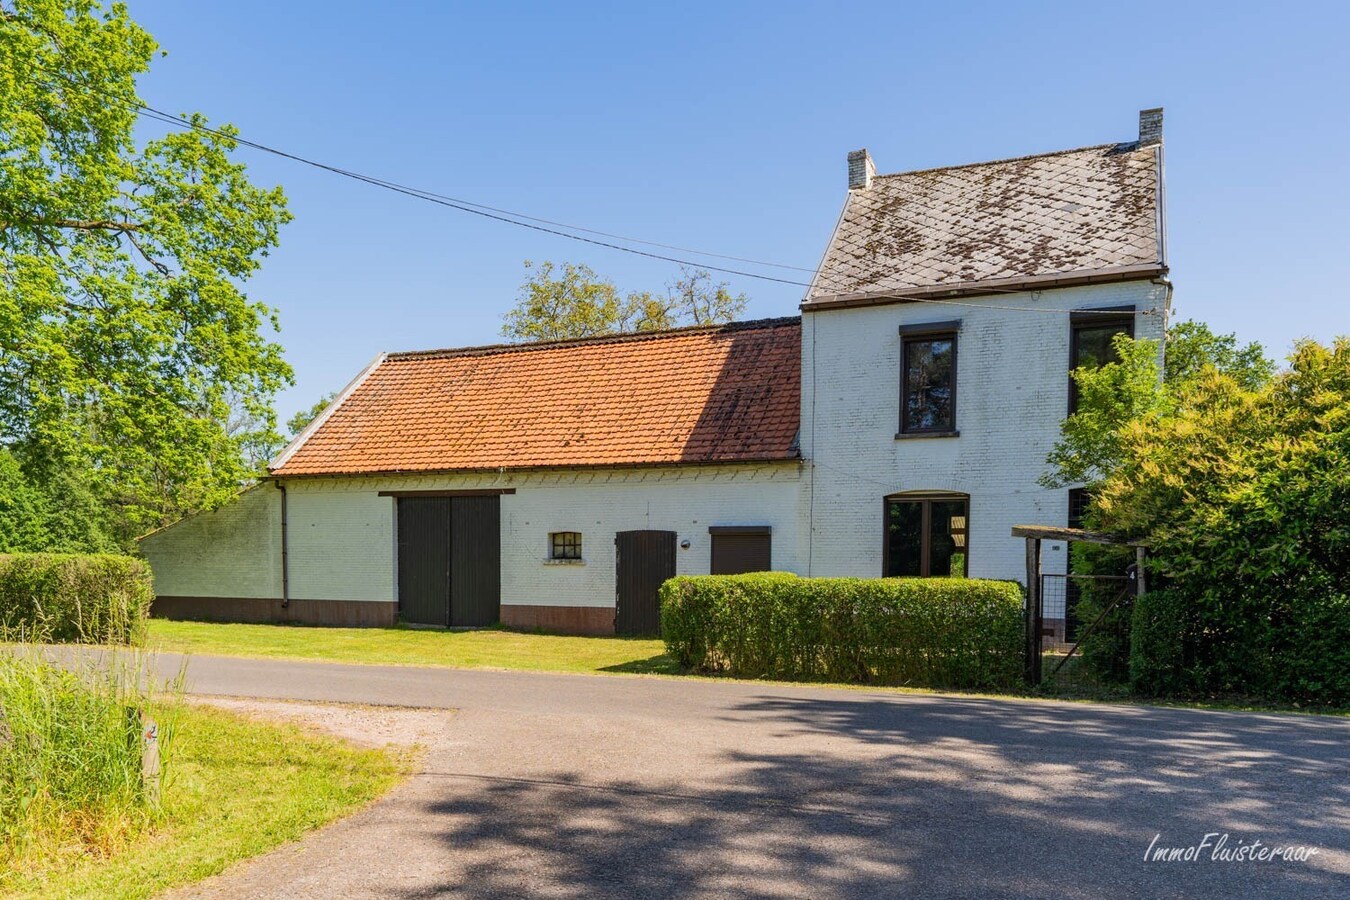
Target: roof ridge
{"type": "Point", "coordinates": [623, 337]}
{"type": "Point", "coordinates": [1121, 146]}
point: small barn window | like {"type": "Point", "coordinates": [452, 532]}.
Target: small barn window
{"type": "Point", "coordinates": [564, 545]}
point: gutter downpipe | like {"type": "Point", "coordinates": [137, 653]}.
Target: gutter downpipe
{"type": "Point", "coordinates": [285, 563]}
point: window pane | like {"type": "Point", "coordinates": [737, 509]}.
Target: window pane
{"type": "Point", "coordinates": [947, 540]}
{"type": "Point", "coordinates": [1094, 345]}
{"type": "Point", "coordinates": [928, 385]}
{"type": "Point", "coordinates": [904, 537]}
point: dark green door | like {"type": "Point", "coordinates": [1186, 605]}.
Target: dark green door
{"type": "Point", "coordinates": [449, 560]}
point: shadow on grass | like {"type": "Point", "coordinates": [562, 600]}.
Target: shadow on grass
{"type": "Point", "coordinates": [661, 664]}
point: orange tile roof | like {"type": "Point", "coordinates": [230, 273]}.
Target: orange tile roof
{"type": "Point", "coordinates": [696, 395]}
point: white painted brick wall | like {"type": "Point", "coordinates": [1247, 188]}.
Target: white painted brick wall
{"type": "Point", "coordinates": [234, 551]}
{"type": "Point", "coordinates": [343, 538]}
{"type": "Point", "coordinates": [1012, 393]}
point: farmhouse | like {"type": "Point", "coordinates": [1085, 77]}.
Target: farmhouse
{"type": "Point", "coordinates": [897, 427]}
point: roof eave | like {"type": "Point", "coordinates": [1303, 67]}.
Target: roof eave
{"type": "Point", "coordinates": [557, 467]}
{"type": "Point", "coordinates": [936, 293]}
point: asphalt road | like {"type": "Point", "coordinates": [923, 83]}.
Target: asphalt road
{"type": "Point", "coordinates": [588, 786]}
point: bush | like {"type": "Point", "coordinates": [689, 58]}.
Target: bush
{"type": "Point", "coordinates": [1157, 652]}
{"type": "Point", "coordinates": [933, 632]}
{"type": "Point", "coordinates": [100, 599]}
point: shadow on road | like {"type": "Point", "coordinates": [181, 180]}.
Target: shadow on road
{"type": "Point", "coordinates": [913, 797]}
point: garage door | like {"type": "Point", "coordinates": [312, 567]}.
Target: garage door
{"type": "Point", "coordinates": [737, 549]}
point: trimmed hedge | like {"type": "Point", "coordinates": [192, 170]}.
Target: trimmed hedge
{"type": "Point", "coordinates": [930, 632]}
{"type": "Point", "coordinates": [74, 598]}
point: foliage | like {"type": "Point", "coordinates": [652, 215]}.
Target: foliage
{"type": "Point", "coordinates": [124, 333]}
{"type": "Point", "coordinates": [1134, 389]}
{"type": "Point", "coordinates": [1242, 495]}
{"type": "Point", "coordinates": [98, 599]}
{"type": "Point", "coordinates": [300, 421]}
{"type": "Point", "coordinates": [935, 632]}
{"type": "Point", "coordinates": [1191, 347]}
{"type": "Point", "coordinates": [236, 787]}
{"type": "Point", "coordinates": [1109, 397]}
{"type": "Point", "coordinates": [70, 758]}
{"type": "Point", "coordinates": [578, 303]}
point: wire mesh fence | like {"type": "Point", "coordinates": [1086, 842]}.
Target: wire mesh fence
{"type": "Point", "coordinates": [1085, 633]}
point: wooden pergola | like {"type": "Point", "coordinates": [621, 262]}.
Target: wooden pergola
{"type": "Point", "coordinates": [1034, 535]}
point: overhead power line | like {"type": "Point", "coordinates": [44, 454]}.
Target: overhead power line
{"type": "Point", "coordinates": [535, 223]}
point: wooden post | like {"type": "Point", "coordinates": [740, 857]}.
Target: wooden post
{"type": "Point", "coordinates": [1033, 612]}
{"type": "Point", "coordinates": [146, 731]}
{"type": "Point", "coordinates": [1140, 588]}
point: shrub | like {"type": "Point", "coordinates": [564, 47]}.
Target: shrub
{"type": "Point", "coordinates": [1157, 651]}
{"type": "Point", "coordinates": [100, 598]}
{"type": "Point", "coordinates": [935, 632]}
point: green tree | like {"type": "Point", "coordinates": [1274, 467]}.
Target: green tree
{"type": "Point", "coordinates": [1132, 392]}
{"type": "Point", "coordinates": [574, 302]}
{"type": "Point", "coordinates": [298, 422]}
{"type": "Point", "coordinates": [125, 333]}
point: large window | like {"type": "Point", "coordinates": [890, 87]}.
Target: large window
{"type": "Point", "coordinates": [1090, 343]}
{"type": "Point", "coordinates": [927, 535]}
{"type": "Point", "coordinates": [928, 378]}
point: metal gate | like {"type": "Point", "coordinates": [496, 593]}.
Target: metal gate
{"type": "Point", "coordinates": [643, 560]}
{"type": "Point", "coordinates": [1076, 610]}
{"type": "Point", "coordinates": [449, 560]}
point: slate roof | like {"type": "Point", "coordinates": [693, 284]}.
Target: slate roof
{"type": "Point", "coordinates": [1075, 212]}
{"type": "Point", "coordinates": [726, 393]}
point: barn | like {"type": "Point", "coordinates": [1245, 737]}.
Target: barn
{"type": "Point", "coordinates": [551, 485]}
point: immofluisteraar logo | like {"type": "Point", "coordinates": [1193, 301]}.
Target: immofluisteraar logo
{"type": "Point", "coordinates": [1216, 847]}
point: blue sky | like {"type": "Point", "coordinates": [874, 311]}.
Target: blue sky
{"type": "Point", "coordinates": [725, 127]}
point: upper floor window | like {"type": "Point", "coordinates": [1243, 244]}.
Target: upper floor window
{"type": "Point", "coordinates": [926, 535]}
{"type": "Point", "coordinates": [928, 378]}
{"type": "Point", "coordinates": [564, 545]}
{"type": "Point", "coordinates": [1091, 342]}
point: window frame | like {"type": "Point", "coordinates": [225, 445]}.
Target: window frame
{"type": "Point", "coordinates": [923, 333]}
{"type": "Point", "coordinates": [926, 499]}
{"type": "Point", "coordinates": [1081, 320]}
{"type": "Point", "coordinates": [557, 539]}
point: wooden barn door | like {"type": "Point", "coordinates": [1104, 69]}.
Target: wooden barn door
{"type": "Point", "coordinates": [475, 561]}
{"type": "Point", "coordinates": [449, 560]}
{"type": "Point", "coordinates": [643, 561]}
{"type": "Point", "coordinates": [424, 560]}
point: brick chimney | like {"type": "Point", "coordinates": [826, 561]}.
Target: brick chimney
{"type": "Point", "coordinates": [1150, 126]}
{"type": "Point", "coordinates": [860, 170]}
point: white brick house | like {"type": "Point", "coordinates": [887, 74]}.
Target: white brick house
{"type": "Point", "coordinates": [898, 428]}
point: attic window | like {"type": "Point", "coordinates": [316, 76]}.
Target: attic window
{"type": "Point", "coordinates": [564, 545]}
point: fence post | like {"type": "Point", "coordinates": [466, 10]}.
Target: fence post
{"type": "Point", "coordinates": [1033, 612]}
{"type": "Point", "coordinates": [146, 731]}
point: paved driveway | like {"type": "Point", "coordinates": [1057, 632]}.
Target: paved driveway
{"type": "Point", "coordinates": [588, 786]}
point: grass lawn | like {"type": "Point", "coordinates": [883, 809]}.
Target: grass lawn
{"type": "Point", "coordinates": [486, 649]}
{"type": "Point", "coordinates": [237, 787]}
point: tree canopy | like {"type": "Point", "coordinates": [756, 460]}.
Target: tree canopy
{"type": "Point", "coordinates": [574, 302]}
{"type": "Point", "coordinates": [127, 341]}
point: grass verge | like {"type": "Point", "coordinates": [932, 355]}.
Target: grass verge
{"type": "Point", "coordinates": [485, 649]}
{"type": "Point", "coordinates": [237, 787]}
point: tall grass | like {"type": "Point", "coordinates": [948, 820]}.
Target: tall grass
{"type": "Point", "coordinates": [70, 754]}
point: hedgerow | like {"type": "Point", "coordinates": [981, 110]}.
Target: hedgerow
{"type": "Point", "coordinates": [932, 632]}
{"type": "Point", "coordinates": [60, 597]}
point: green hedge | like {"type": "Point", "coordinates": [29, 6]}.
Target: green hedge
{"type": "Point", "coordinates": [1286, 648]}
{"type": "Point", "coordinates": [931, 632]}
{"type": "Point", "coordinates": [66, 597]}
